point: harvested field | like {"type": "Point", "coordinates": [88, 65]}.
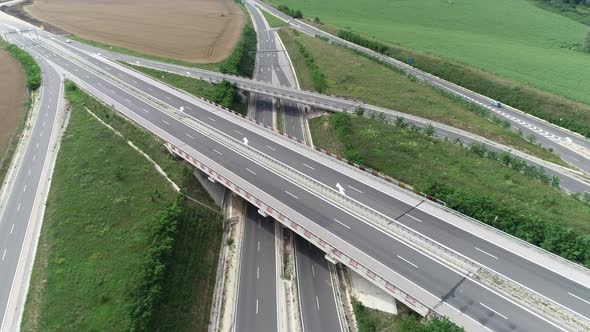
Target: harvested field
{"type": "Point", "coordinates": [13, 94]}
{"type": "Point", "coordinates": [198, 31]}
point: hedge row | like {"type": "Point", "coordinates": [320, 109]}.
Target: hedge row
{"type": "Point", "coordinates": [318, 78]}
{"type": "Point", "coordinates": [553, 109]}
{"type": "Point", "coordinates": [32, 70]}
{"type": "Point", "coordinates": [243, 58]}
{"type": "Point", "coordinates": [294, 13]}
{"type": "Point", "coordinates": [159, 255]}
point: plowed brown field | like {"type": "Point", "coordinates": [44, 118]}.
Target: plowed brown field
{"type": "Point", "coordinates": [13, 94]}
{"type": "Point", "coordinates": [198, 31]}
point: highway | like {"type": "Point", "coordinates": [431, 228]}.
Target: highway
{"type": "Point", "coordinates": [571, 181]}
{"type": "Point", "coordinates": [272, 66]}
{"type": "Point", "coordinates": [572, 147]}
{"type": "Point", "coordinates": [257, 299]}
{"type": "Point", "coordinates": [17, 215]}
{"type": "Point", "coordinates": [436, 278]}
{"type": "Point", "coordinates": [454, 288]}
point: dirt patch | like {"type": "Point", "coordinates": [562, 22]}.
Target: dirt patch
{"type": "Point", "coordinates": [13, 94]}
{"type": "Point", "coordinates": [198, 31]}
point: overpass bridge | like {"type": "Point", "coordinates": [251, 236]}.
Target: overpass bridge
{"type": "Point", "coordinates": [431, 258]}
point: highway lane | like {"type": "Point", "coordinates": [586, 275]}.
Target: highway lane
{"type": "Point", "coordinates": [549, 135]}
{"type": "Point", "coordinates": [311, 266]}
{"type": "Point", "coordinates": [16, 215]}
{"type": "Point", "coordinates": [257, 305]}
{"type": "Point", "coordinates": [430, 275]}
{"type": "Point", "coordinates": [569, 182]}
{"type": "Point", "coordinates": [548, 283]}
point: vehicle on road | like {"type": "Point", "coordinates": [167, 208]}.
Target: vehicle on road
{"type": "Point", "coordinates": [496, 103]}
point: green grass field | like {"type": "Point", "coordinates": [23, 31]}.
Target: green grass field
{"type": "Point", "coordinates": [349, 74]}
{"type": "Point", "coordinates": [272, 21]}
{"type": "Point", "coordinates": [512, 38]}
{"type": "Point", "coordinates": [98, 226]}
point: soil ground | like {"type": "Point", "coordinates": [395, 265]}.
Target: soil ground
{"type": "Point", "coordinates": [13, 94]}
{"type": "Point", "coordinates": [198, 31]}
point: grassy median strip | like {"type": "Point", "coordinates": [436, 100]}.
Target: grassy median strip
{"type": "Point", "coordinates": [115, 234]}
{"type": "Point", "coordinates": [352, 75]}
{"type": "Point", "coordinates": [272, 20]}
{"type": "Point", "coordinates": [485, 189]}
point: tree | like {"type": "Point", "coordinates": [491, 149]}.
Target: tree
{"type": "Point", "coordinates": [429, 130]}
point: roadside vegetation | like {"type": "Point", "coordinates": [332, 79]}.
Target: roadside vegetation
{"type": "Point", "coordinates": [294, 13]}
{"type": "Point", "coordinates": [351, 75]}
{"type": "Point", "coordinates": [371, 320]}
{"type": "Point", "coordinates": [116, 237]}
{"type": "Point", "coordinates": [492, 190]}
{"type": "Point", "coordinates": [242, 60]}
{"type": "Point", "coordinates": [32, 70]}
{"type": "Point", "coordinates": [224, 93]}
{"type": "Point", "coordinates": [578, 10]}
{"type": "Point", "coordinates": [547, 106]}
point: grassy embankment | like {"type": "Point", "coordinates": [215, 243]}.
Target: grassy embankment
{"type": "Point", "coordinates": [377, 84]}
{"type": "Point", "coordinates": [497, 192]}
{"type": "Point", "coordinates": [580, 12]}
{"type": "Point", "coordinates": [33, 82]}
{"type": "Point", "coordinates": [511, 38]}
{"type": "Point", "coordinates": [116, 252]}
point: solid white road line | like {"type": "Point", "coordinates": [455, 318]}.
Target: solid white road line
{"type": "Point", "coordinates": [306, 165]}
{"type": "Point", "coordinates": [189, 136]}
{"type": "Point", "coordinates": [166, 122]}
{"type": "Point", "coordinates": [338, 221]}
{"type": "Point", "coordinates": [238, 132]}
{"type": "Point", "coordinates": [291, 195]}
{"type": "Point", "coordinates": [210, 118]}
{"type": "Point", "coordinates": [317, 302]}
{"type": "Point", "coordinates": [219, 153]}
{"type": "Point", "coordinates": [407, 261]}
{"type": "Point", "coordinates": [579, 298]}
{"type": "Point", "coordinates": [492, 310]}
{"type": "Point", "coordinates": [476, 248]}
{"type": "Point", "coordinates": [271, 148]}
{"type": "Point", "coordinates": [418, 220]}
{"type": "Point", "coordinates": [353, 188]}
{"type": "Point", "coordinates": [250, 171]}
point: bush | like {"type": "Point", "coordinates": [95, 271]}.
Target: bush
{"type": "Point", "coordinates": [357, 39]}
{"type": "Point", "coordinates": [32, 70]}
{"type": "Point", "coordinates": [243, 58]}
{"type": "Point", "coordinates": [225, 94]}
{"type": "Point", "coordinates": [291, 12]}
{"type": "Point", "coordinates": [159, 255]}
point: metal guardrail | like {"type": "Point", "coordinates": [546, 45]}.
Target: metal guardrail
{"type": "Point", "coordinates": [376, 219]}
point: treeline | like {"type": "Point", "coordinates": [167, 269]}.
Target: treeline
{"type": "Point", "coordinates": [567, 2]}
{"type": "Point", "coordinates": [294, 13]}
{"type": "Point", "coordinates": [225, 94]}
{"type": "Point", "coordinates": [242, 60]}
{"type": "Point", "coordinates": [158, 258]}
{"type": "Point", "coordinates": [318, 78]}
{"type": "Point", "coordinates": [562, 241]}
{"type": "Point", "coordinates": [554, 110]}
{"type": "Point", "coordinates": [32, 70]}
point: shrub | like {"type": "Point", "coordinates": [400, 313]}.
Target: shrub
{"type": "Point", "coordinates": [291, 12]}
{"type": "Point", "coordinates": [32, 70]}
{"type": "Point", "coordinates": [318, 78]}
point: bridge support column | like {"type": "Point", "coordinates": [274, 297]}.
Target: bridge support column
{"type": "Point", "coordinates": [370, 295]}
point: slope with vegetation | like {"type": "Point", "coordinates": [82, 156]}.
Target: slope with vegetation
{"type": "Point", "coordinates": [346, 73]}
{"type": "Point", "coordinates": [115, 234]}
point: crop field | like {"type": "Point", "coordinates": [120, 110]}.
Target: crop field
{"type": "Point", "coordinates": [511, 38]}
{"type": "Point", "coordinates": [13, 94]}
{"type": "Point", "coordinates": [198, 31]}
